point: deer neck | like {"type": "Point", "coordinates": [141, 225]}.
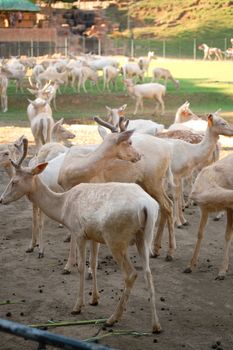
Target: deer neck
{"type": "Point", "coordinates": [92, 166]}
{"type": "Point", "coordinates": [207, 145]}
{"type": "Point", "coordinates": [51, 203]}
{"type": "Point", "coordinates": [130, 90]}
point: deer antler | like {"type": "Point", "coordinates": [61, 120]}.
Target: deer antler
{"type": "Point", "coordinates": [105, 124]}
{"type": "Point", "coordinates": [25, 149]}
{"type": "Point", "coordinates": [123, 124]}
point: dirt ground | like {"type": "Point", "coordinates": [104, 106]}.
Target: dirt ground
{"type": "Point", "coordinates": [195, 310]}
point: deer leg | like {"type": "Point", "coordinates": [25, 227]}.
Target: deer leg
{"type": "Point", "coordinates": [202, 224]}
{"type": "Point", "coordinates": [141, 104]}
{"type": "Point", "coordinates": [94, 246]}
{"type": "Point", "coordinates": [54, 103]}
{"type": "Point", "coordinates": [161, 104]}
{"type": "Point", "coordinates": [137, 105]}
{"type": "Point", "coordinates": [79, 84]}
{"type": "Point", "coordinates": [228, 239]}
{"type": "Point", "coordinates": [84, 86]}
{"type": "Point", "coordinates": [166, 214]}
{"type": "Point", "coordinates": [122, 258]}
{"type": "Point", "coordinates": [143, 251]}
{"type": "Point", "coordinates": [176, 196]}
{"type": "Point", "coordinates": [41, 226]}
{"type": "Point", "coordinates": [35, 229]}
{"type": "Point", "coordinates": [180, 202]}
{"type": "Point", "coordinates": [81, 244]}
{"type": "Point", "coordinates": [72, 259]}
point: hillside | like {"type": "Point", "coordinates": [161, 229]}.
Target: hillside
{"type": "Point", "coordinates": [166, 19]}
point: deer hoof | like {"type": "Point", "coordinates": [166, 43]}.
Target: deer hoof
{"type": "Point", "coordinates": [188, 270]}
{"type": "Point", "coordinates": [154, 255]}
{"type": "Point", "coordinates": [186, 223]}
{"type": "Point", "coordinates": [66, 272]}
{"type": "Point", "coordinates": [29, 250]}
{"type": "Point", "coordinates": [220, 278]}
{"type": "Point", "coordinates": [169, 258]}
{"type": "Point", "coordinates": [157, 329]}
{"type": "Point", "coordinates": [76, 312]}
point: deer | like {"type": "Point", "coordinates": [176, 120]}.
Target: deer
{"type": "Point", "coordinates": [210, 51]}
{"type": "Point", "coordinates": [132, 70]}
{"type": "Point", "coordinates": [110, 75]}
{"type": "Point", "coordinates": [144, 126]}
{"type": "Point", "coordinates": [165, 74]}
{"type": "Point", "coordinates": [187, 157]}
{"type": "Point", "coordinates": [153, 91]}
{"type": "Point", "coordinates": [115, 144]}
{"type": "Point", "coordinates": [212, 191]}
{"type": "Point", "coordinates": [144, 62]}
{"type": "Point", "coordinates": [149, 172]}
{"type": "Point", "coordinates": [100, 213]}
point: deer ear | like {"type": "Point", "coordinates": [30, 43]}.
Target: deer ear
{"type": "Point", "coordinates": [210, 120]}
{"type": "Point", "coordinates": [39, 168]}
{"type": "Point", "coordinates": [124, 136]}
{"type": "Point", "coordinates": [102, 132]}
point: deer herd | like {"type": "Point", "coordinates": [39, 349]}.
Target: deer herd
{"type": "Point", "coordinates": [113, 193]}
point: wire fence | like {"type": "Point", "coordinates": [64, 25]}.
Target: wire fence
{"type": "Point", "coordinates": [127, 47]}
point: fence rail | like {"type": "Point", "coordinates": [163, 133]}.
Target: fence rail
{"type": "Point", "coordinates": [128, 47]}
{"type": "Point", "coordinates": [44, 338]}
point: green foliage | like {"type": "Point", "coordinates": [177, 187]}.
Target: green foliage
{"type": "Point", "coordinates": [182, 19]}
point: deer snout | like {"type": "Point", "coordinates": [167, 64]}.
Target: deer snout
{"type": "Point", "coordinates": [2, 201]}
{"type": "Point", "coordinates": [137, 158]}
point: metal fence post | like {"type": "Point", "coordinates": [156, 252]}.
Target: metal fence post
{"type": "Point", "coordinates": [32, 54]}
{"type": "Point", "coordinates": [99, 46]}
{"type": "Point", "coordinates": [194, 48]}
{"type": "Point", "coordinates": [66, 47]}
{"type": "Point", "coordinates": [19, 48]}
{"type": "Point", "coordinates": [132, 48]}
{"type": "Point", "coordinates": [164, 49]}
{"type": "Point", "coordinates": [84, 44]}
{"type": "Point", "coordinates": [225, 47]}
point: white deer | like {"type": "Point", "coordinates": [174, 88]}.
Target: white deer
{"type": "Point", "coordinates": [114, 214]}
{"type": "Point", "coordinates": [210, 51]}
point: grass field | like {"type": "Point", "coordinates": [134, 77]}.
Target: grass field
{"type": "Point", "coordinates": [207, 85]}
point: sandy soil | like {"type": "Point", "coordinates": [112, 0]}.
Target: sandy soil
{"type": "Point", "coordinates": [195, 310]}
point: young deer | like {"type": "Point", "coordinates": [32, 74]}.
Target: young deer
{"type": "Point", "coordinates": [114, 214]}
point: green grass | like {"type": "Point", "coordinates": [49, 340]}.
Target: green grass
{"type": "Point", "coordinates": [206, 85]}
